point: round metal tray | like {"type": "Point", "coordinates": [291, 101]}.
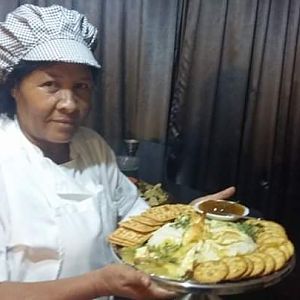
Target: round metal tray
{"type": "Point", "coordinates": [226, 288]}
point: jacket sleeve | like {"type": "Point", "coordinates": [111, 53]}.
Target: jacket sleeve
{"type": "Point", "coordinates": [122, 191]}
{"type": "Point", "coordinates": [127, 195]}
{"type": "Point", "coordinates": [3, 233]}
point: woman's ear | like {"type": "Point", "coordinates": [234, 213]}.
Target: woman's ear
{"type": "Point", "coordinates": [14, 92]}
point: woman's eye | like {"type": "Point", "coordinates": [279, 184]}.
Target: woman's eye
{"type": "Point", "coordinates": [50, 85]}
{"type": "Point", "coordinates": [82, 86]}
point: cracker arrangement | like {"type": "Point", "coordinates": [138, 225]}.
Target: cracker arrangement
{"type": "Point", "coordinates": [175, 241]}
{"type": "Point", "coordinates": [136, 230]}
{"type": "Point", "coordinates": [273, 251]}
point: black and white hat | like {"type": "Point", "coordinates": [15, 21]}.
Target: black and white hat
{"type": "Point", "coordinates": [51, 33]}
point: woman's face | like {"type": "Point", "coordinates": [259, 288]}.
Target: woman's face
{"type": "Point", "coordinates": [53, 101]}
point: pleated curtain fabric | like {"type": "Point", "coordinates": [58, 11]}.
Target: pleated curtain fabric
{"type": "Point", "coordinates": [234, 117]}
{"type": "Point", "coordinates": [136, 51]}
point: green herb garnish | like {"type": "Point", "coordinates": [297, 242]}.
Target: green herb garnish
{"type": "Point", "coordinates": [164, 252]}
{"type": "Point", "coordinates": [182, 222]}
{"type": "Point", "coordinates": [250, 229]}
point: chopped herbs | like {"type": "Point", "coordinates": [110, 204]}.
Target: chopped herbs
{"type": "Point", "coordinates": [249, 229]}
{"type": "Point", "coordinates": [165, 251]}
{"type": "Point", "coordinates": [182, 222]}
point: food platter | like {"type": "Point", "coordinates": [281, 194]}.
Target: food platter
{"type": "Point", "coordinates": [189, 253]}
{"type": "Point", "coordinates": [227, 288]}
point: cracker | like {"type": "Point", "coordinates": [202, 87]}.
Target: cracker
{"type": "Point", "coordinates": [137, 226]}
{"type": "Point", "coordinates": [278, 256]}
{"type": "Point", "coordinates": [120, 242]}
{"type": "Point", "coordinates": [267, 225]}
{"type": "Point", "coordinates": [271, 231]}
{"type": "Point", "coordinates": [250, 267]}
{"type": "Point", "coordinates": [285, 251]}
{"type": "Point", "coordinates": [272, 226]}
{"type": "Point", "coordinates": [236, 265]}
{"type": "Point", "coordinates": [147, 221]}
{"type": "Point", "coordinates": [162, 213]}
{"type": "Point", "coordinates": [288, 249]}
{"type": "Point", "coordinates": [129, 235]}
{"type": "Point", "coordinates": [210, 272]}
{"type": "Point", "coordinates": [269, 263]}
{"type": "Point", "coordinates": [268, 233]}
{"type": "Point", "coordinates": [274, 240]}
{"type": "Point", "coordinates": [167, 212]}
{"type": "Point", "coordinates": [258, 263]}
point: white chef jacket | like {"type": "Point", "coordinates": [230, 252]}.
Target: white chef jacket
{"type": "Point", "coordinates": [55, 219]}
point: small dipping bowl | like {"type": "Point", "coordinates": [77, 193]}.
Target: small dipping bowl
{"type": "Point", "coordinates": [221, 209]}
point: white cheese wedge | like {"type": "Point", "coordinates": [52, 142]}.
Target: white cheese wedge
{"type": "Point", "coordinates": [166, 233]}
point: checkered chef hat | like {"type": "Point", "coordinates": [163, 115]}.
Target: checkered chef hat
{"type": "Point", "coordinates": [51, 33]}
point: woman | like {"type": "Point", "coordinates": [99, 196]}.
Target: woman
{"type": "Point", "coordinates": [61, 191]}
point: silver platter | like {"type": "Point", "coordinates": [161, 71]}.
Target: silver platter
{"type": "Point", "coordinates": [226, 288]}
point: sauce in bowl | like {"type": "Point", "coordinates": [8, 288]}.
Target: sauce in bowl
{"type": "Point", "coordinates": [222, 209]}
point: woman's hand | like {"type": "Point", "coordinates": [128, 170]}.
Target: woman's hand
{"type": "Point", "coordinates": [224, 194]}
{"type": "Point", "coordinates": [118, 280]}
{"type": "Point", "coordinates": [124, 281]}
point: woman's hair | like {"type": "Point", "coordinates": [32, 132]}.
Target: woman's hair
{"type": "Point", "coordinates": [14, 78]}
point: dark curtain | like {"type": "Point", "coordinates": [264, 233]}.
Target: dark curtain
{"type": "Point", "coordinates": [235, 110]}
{"type": "Point", "coordinates": [209, 102]}
{"type": "Point", "coordinates": [136, 51]}
{"type": "Point", "coordinates": [235, 100]}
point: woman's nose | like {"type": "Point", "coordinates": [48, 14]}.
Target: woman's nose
{"type": "Point", "coordinates": [67, 101]}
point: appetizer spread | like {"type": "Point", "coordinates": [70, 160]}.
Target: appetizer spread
{"type": "Point", "coordinates": [177, 242]}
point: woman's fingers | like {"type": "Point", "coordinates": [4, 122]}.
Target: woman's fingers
{"type": "Point", "coordinates": [148, 289]}
{"type": "Point", "coordinates": [160, 293]}
{"type": "Point", "coordinates": [125, 281]}
{"type": "Point", "coordinates": [143, 279]}
{"type": "Point", "coordinates": [224, 194]}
